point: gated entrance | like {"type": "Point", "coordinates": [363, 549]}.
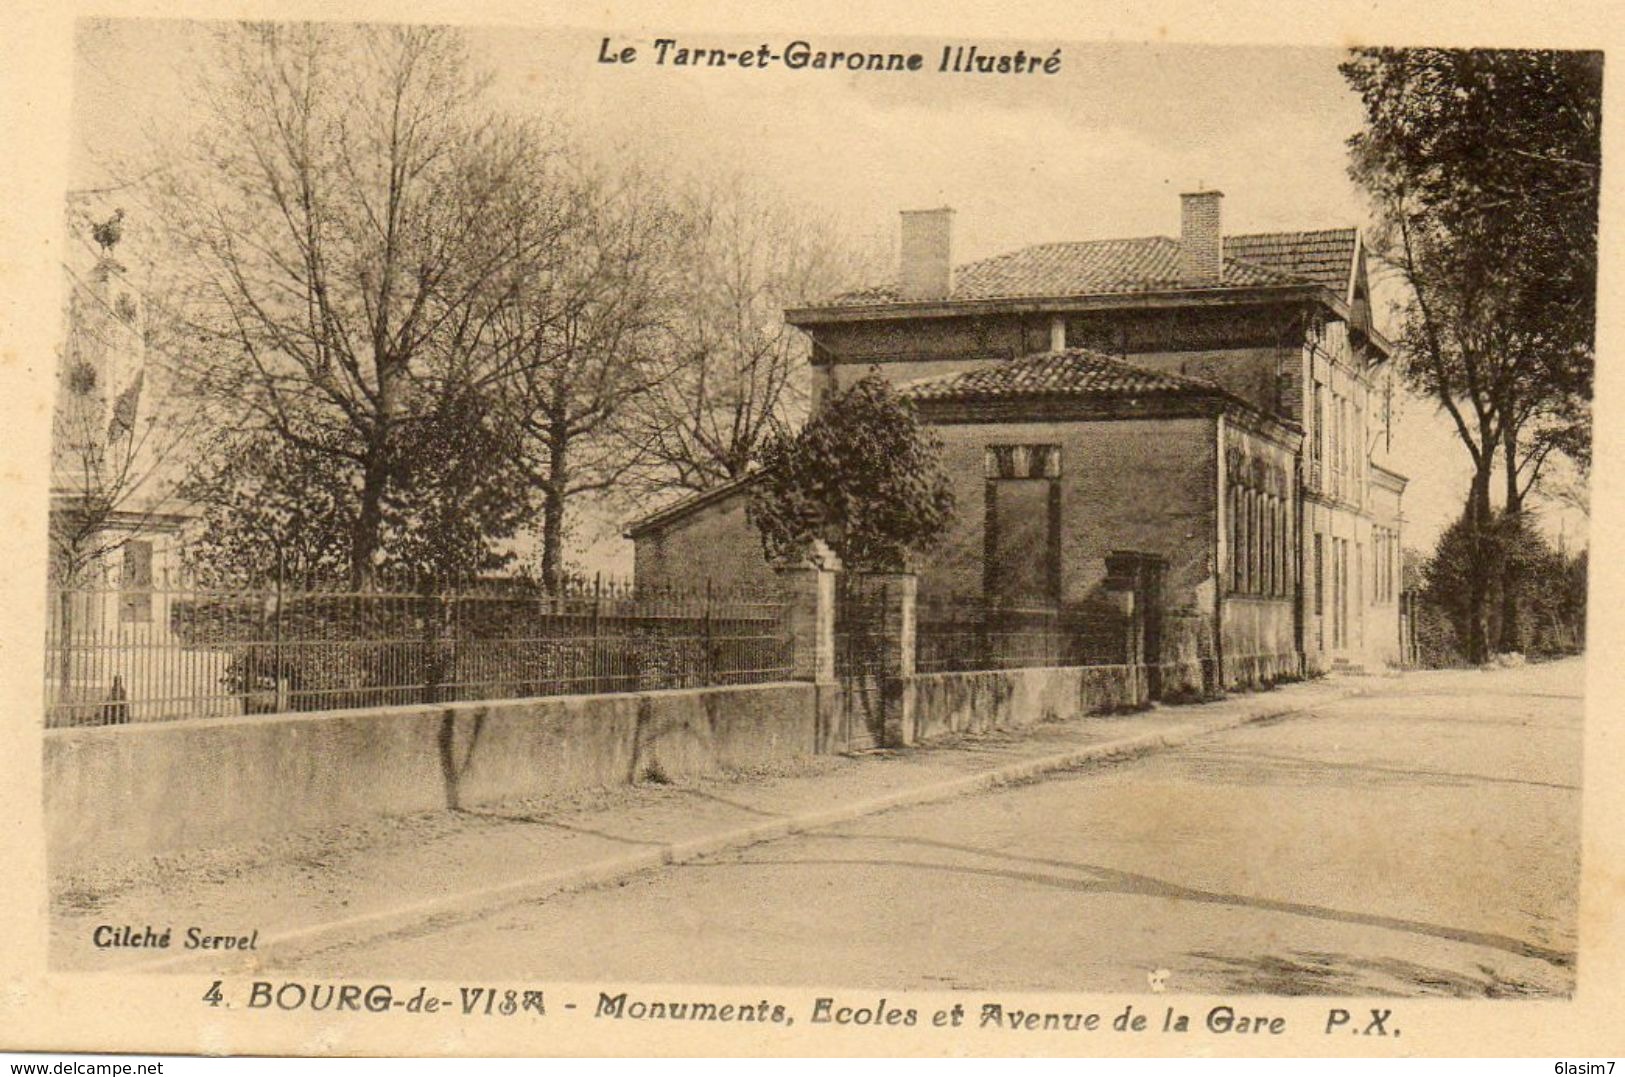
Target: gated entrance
{"type": "Point", "coordinates": [861, 659]}
{"type": "Point", "coordinates": [1141, 575]}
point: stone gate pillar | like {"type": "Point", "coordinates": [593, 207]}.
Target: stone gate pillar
{"type": "Point", "coordinates": [1124, 585]}
{"type": "Point", "coordinates": [809, 589]}
{"type": "Point", "coordinates": [896, 660]}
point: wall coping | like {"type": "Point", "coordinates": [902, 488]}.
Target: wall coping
{"type": "Point", "coordinates": [1019, 669]}
{"type": "Point", "coordinates": [406, 710]}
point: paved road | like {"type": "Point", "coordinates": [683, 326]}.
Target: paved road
{"type": "Point", "coordinates": [1419, 841]}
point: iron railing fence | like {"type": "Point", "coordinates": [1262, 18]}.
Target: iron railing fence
{"type": "Point", "coordinates": [867, 653]}
{"type": "Point", "coordinates": [965, 636]}
{"type": "Point", "coordinates": [862, 642]}
{"type": "Point", "coordinates": [114, 655]}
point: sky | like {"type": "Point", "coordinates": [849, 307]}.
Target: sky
{"type": "Point", "coordinates": [1101, 149]}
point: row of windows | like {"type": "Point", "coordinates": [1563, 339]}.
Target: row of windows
{"type": "Point", "coordinates": [1340, 593]}
{"type": "Point", "coordinates": [1384, 579]}
{"type": "Point", "coordinates": [1337, 438]}
{"type": "Point", "coordinates": [1260, 543]}
{"type": "Point", "coordinates": [1261, 539]}
{"type": "Point", "coordinates": [1337, 581]}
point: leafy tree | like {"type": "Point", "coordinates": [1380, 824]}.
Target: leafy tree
{"type": "Point", "coordinates": [468, 497]}
{"type": "Point", "coordinates": [1550, 596]}
{"type": "Point", "coordinates": [863, 475]}
{"type": "Point", "coordinates": [1483, 168]}
{"type": "Point", "coordinates": [275, 509]}
{"type": "Point", "coordinates": [271, 509]}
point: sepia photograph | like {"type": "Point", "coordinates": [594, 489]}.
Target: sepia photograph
{"type": "Point", "coordinates": [1015, 541]}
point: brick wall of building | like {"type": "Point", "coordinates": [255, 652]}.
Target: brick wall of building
{"type": "Point", "coordinates": [841, 376]}
{"type": "Point", "coordinates": [1167, 509]}
{"type": "Point", "coordinates": [714, 542]}
{"type": "Point", "coordinates": [1254, 374]}
{"type": "Point", "coordinates": [905, 351]}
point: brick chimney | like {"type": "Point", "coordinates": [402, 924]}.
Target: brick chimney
{"type": "Point", "coordinates": [926, 269]}
{"type": "Point", "coordinates": [1201, 242]}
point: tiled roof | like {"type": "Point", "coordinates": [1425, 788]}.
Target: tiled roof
{"type": "Point", "coordinates": [1324, 257]}
{"type": "Point", "coordinates": [684, 505]}
{"type": "Point", "coordinates": [1075, 372]}
{"type": "Point", "coordinates": [1150, 264]}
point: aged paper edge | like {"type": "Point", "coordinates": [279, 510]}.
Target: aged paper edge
{"type": "Point", "coordinates": [40, 1010]}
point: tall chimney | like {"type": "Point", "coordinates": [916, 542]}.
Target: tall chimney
{"type": "Point", "coordinates": [1201, 243]}
{"type": "Point", "coordinates": [926, 269]}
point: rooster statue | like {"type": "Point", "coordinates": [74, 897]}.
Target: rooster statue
{"type": "Point", "coordinates": [108, 232]}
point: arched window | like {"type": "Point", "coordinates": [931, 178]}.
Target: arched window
{"type": "Point", "coordinates": [1253, 541]}
{"type": "Point", "coordinates": [1263, 543]}
{"type": "Point", "coordinates": [1249, 539]}
{"type": "Point", "coordinates": [1244, 548]}
{"type": "Point", "coordinates": [1286, 547]}
{"type": "Point", "coordinates": [1280, 549]}
{"type": "Point", "coordinates": [1277, 577]}
{"type": "Point", "coordinates": [1238, 554]}
{"type": "Point", "coordinates": [1275, 545]}
{"type": "Point", "coordinates": [1273, 554]}
{"type": "Point", "coordinates": [1281, 544]}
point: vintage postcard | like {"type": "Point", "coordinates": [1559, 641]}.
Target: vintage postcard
{"type": "Point", "coordinates": [660, 531]}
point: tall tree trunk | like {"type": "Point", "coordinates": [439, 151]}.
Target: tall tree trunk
{"type": "Point", "coordinates": [558, 477]}
{"type": "Point", "coordinates": [365, 535]}
{"type": "Point", "coordinates": [1511, 572]}
{"type": "Point", "coordinates": [1482, 571]}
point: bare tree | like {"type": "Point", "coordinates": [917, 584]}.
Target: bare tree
{"type": "Point", "coordinates": [337, 212]}
{"type": "Point", "coordinates": [580, 341]}
{"type": "Point", "coordinates": [741, 372]}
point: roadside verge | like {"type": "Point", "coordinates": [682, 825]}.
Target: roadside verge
{"type": "Point", "coordinates": [313, 899]}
